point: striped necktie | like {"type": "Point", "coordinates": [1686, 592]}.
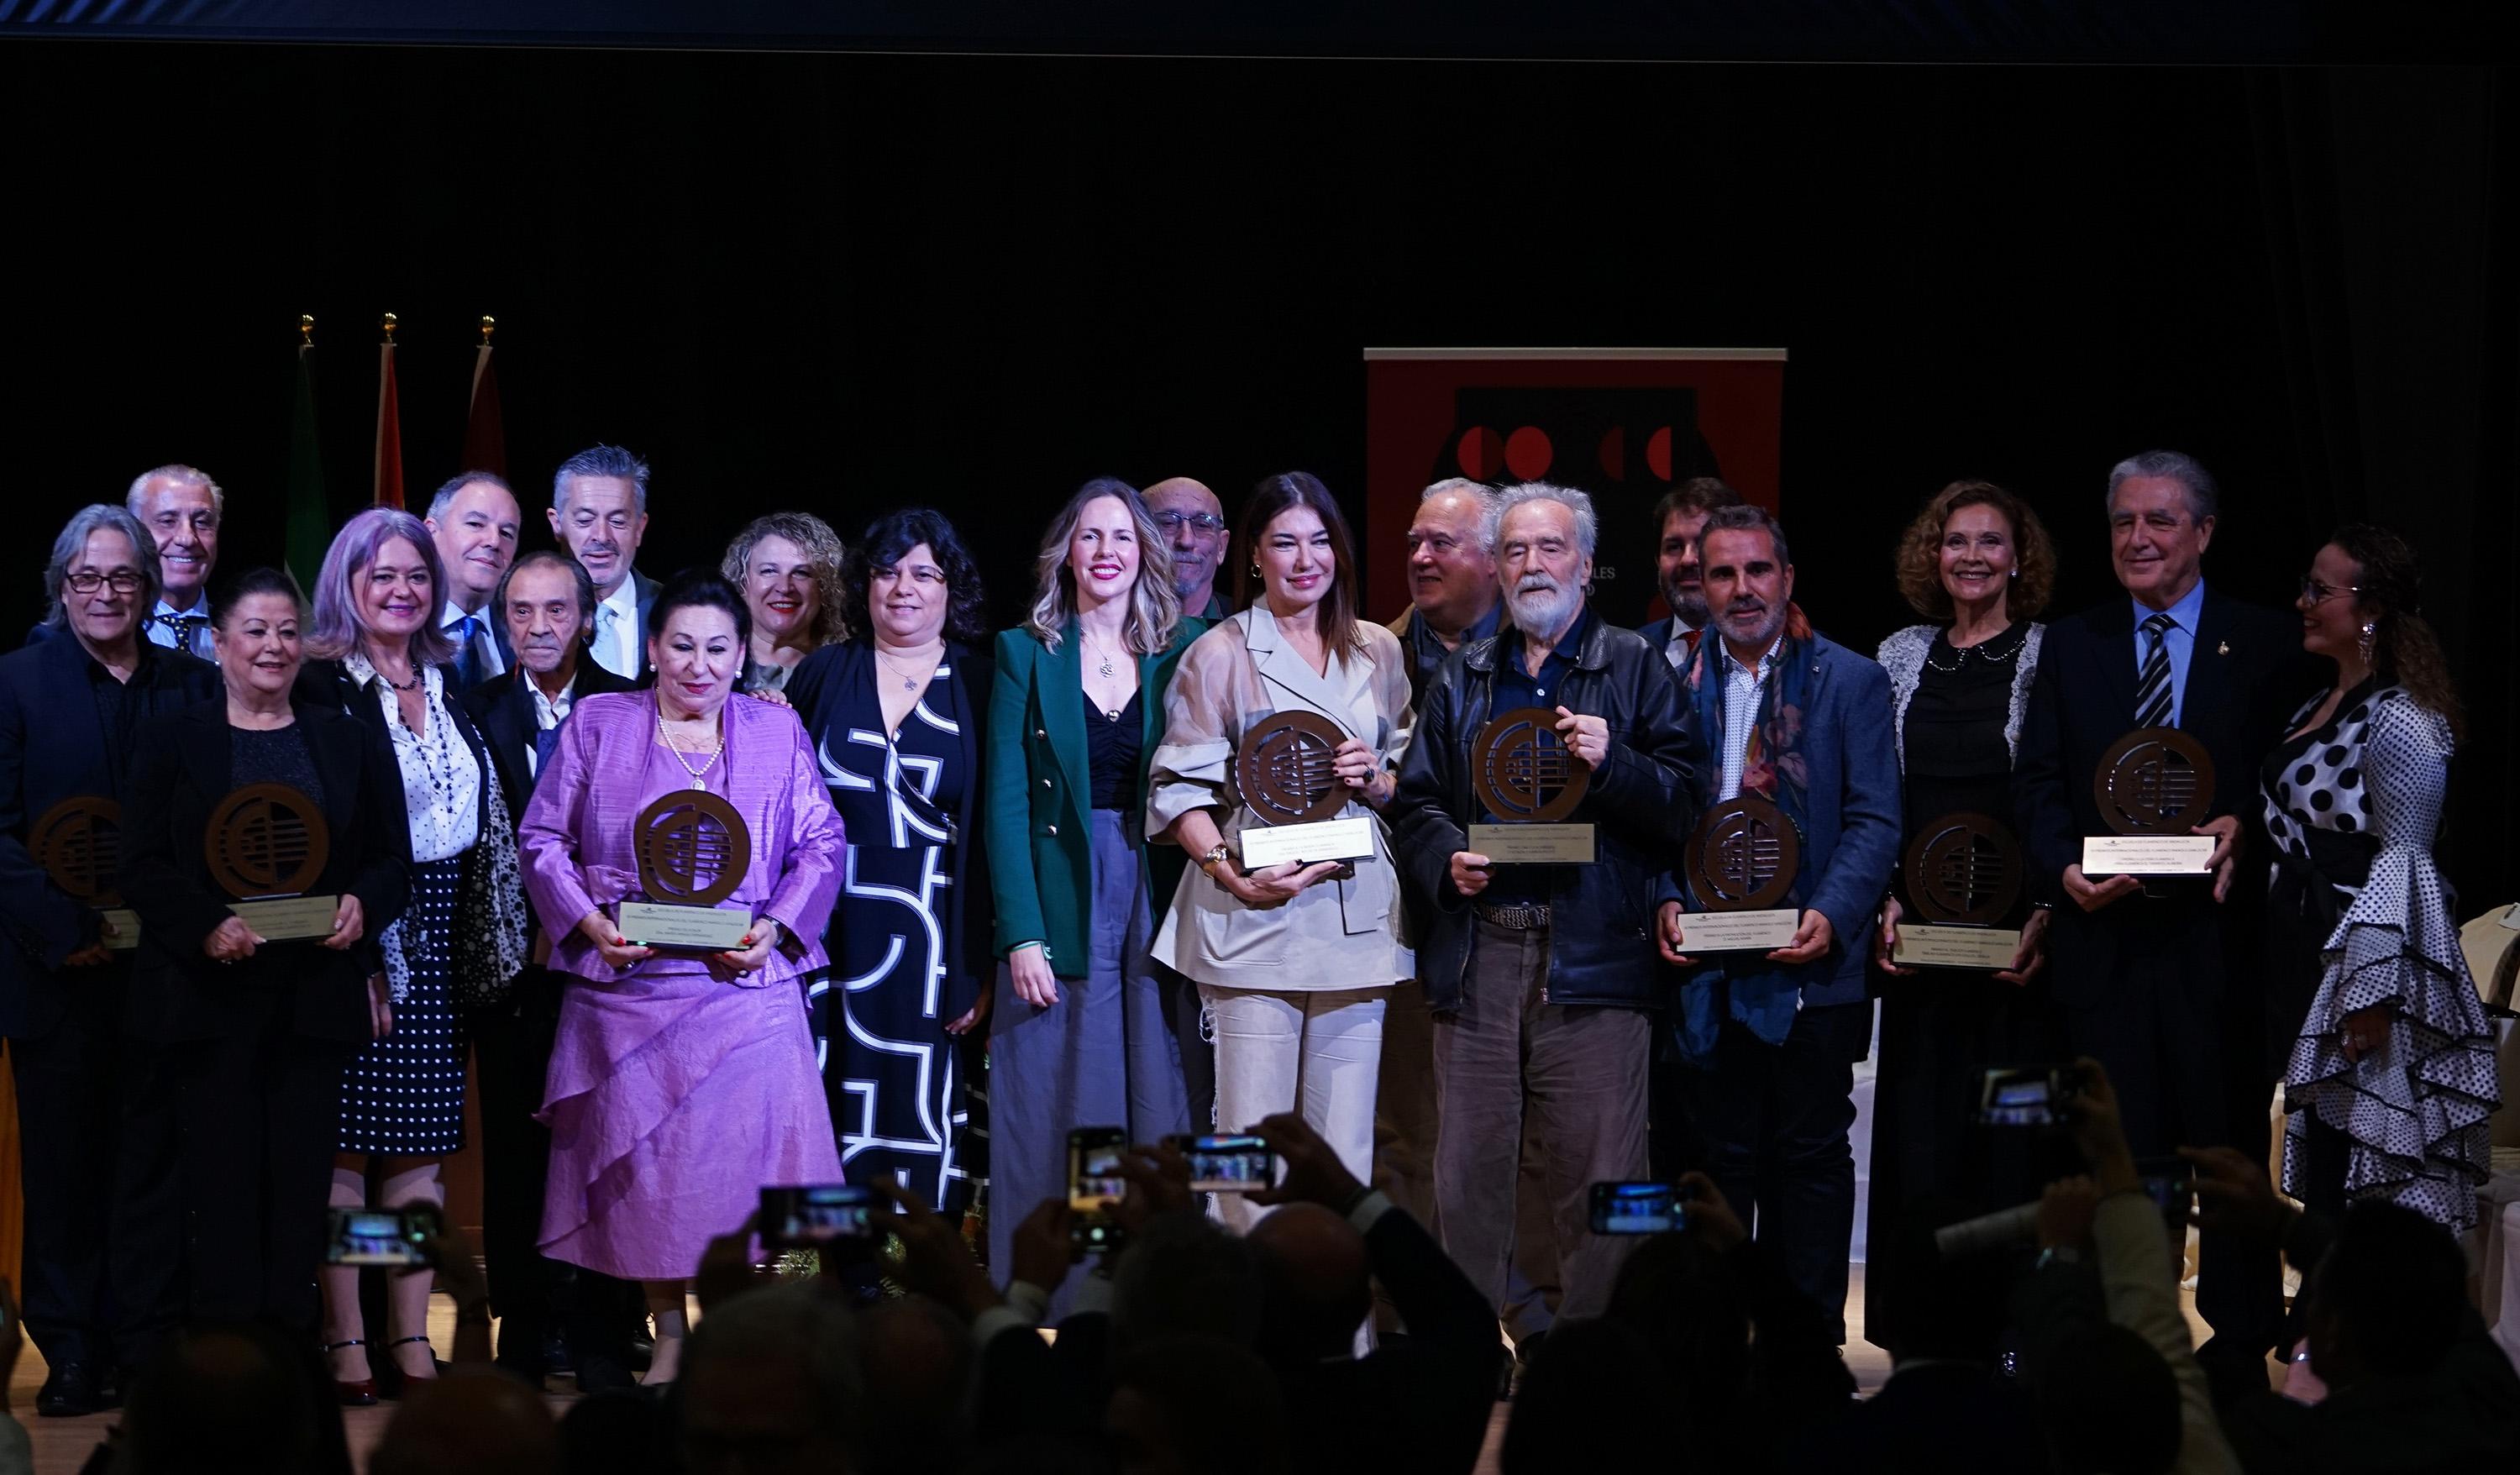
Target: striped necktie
{"type": "Point", "coordinates": [2152, 689]}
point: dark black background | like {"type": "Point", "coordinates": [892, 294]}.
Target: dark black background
{"type": "Point", "coordinates": [846, 283]}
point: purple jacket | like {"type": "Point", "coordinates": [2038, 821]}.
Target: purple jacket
{"type": "Point", "coordinates": [576, 838]}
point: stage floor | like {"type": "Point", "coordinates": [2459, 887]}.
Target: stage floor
{"type": "Point", "coordinates": [62, 1445]}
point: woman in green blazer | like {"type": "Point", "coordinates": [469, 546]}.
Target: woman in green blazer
{"type": "Point", "coordinates": [1084, 1030]}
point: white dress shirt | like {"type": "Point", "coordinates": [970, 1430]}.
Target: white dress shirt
{"type": "Point", "coordinates": [157, 634]}
{"type": "Point", "coordinates": [1742, 687]}
{"type": "Point", "coordinates": [549, 713]}
{"type": "Point", "coordinates": [484, 644]}
{"type": "Point", "coordinates": [1674, 645]}
{"type": "Point", "coordinates": [616, 630]}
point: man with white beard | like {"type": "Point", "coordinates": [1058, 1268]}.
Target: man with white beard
{"type": "Point", "coordinates": [1543, 979]}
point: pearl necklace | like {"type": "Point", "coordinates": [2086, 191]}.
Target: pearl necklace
{"type": "Point", "coordinates": [1961, 653]}
{"type": "Point", "coordinates": [699, 774]}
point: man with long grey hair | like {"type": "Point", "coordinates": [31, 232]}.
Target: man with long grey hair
{"type": "Point", "coordinates": [1542, 988]}
{"type": "Point", "coordinates": [68, 708]}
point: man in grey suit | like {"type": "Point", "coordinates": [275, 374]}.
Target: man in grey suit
{"type": "Point", "coordinates": [599, 513]}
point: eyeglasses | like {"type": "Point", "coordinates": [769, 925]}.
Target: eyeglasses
{"type": "Point", "coordinates": [2313, 592]}
{"type": "Point", "coordinates": [1206, 523]}
{"type": "Point", "coordinates": [89, 581]}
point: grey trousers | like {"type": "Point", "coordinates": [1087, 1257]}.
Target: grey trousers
{"type": "Point", "coordinates": [1576, 1074]}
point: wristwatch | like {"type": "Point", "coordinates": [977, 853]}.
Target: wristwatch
{"type": "Point", "coordinates": [1220, 851]}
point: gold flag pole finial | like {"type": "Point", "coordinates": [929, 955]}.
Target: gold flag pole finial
{"type": "Point", "coordinates": [489, 325]}
{"type": "Point", "coordinates": [306, 329]}
{"type": "Point", "coordinates": [390, 323]}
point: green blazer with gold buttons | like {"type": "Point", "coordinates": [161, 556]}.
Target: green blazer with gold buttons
{"type": "Point", "coordinates": [1041, 862]}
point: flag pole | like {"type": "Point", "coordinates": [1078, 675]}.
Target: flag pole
{"type": "Point", "coordinates": [389, 486]}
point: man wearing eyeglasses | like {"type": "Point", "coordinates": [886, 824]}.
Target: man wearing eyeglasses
{"type": "Point", "coordinates": [599, 513]}
{"type": "Point", "coordinates": [70, 706]}
{"type": "Point", "coordinates": [2159, 980]}
{"type": "Point", "coordinates": [1193, 521]}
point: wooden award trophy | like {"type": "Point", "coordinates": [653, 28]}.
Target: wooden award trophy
{"type": "Point", "coordinates": [266, 844]}
{"type": "Point", "coordinates": [1742, 860]}
{"type": "Point", "coordinates": [1524, 774]}
{"type": "Point", "coordinates": [2154, 785]}
{"type": "Point", "coordinates": [79, 844]}
{"type": "Point", "coordinates": [693, 849]}
{"type": "Point", "coordinates": [1964, 874]}
{"type": "Point", "coordinates": [1282, 769]}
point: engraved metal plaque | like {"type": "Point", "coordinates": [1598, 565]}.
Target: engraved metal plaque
{"type": "Point", "coordinates": [692, 849]}
{"type": "Point", "coordinates": [268, 842]}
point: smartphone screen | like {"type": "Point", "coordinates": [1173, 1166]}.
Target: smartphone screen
{"type": "Point", "coordinates": [1228, 1163]}
{"type": "Point", "coordinates": [1635, 1208]}
{"type": "Point", "coordinates": [372, 1236]}
{"type": "Point", "coordinates": [818, 1214]}
{"type": "Point", "coordinates": [1094, 1179]}
{"type": "Point", "coordinates": [2020, 1097]}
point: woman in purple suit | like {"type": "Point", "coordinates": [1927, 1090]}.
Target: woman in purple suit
{"type": "Point", "coordinates": [682, 1082]}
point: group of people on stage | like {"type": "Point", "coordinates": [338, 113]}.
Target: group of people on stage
{"type": "Point", "coordinates": [998, 879]}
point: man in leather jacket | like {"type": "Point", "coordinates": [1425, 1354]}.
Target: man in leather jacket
{"type": "Point", "coordinates": [1544, 979]}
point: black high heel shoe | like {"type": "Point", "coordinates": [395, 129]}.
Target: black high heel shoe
{"type": "Point", "coordinates": [401, 1378]}
{"type": "Point", "coordinates": [360, 1392]}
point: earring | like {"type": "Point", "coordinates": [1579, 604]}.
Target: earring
{"type": "Point", "coordinates": [1255, 570]}
{"type": "Point", "coordinates": [2370, 638]}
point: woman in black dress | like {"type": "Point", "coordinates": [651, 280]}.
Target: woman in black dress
{"type": "Point", "coordinates": [255, 1033]}
{"type": "Point", "coordinates": [379, 656]}
{"type": "Point", "coordinates": [894, 715]}
{"type": "Point", "coordinates": [1976, 563]}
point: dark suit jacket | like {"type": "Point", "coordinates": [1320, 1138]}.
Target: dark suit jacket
{"type": "Point", "coordinates": [53, 749]}
{"type": "Point", "coordinates": [503, 712]}
{"type": "Point", "coordinates": [183, 771]}
{"type": "Point", "coordinates": [2246, 676]}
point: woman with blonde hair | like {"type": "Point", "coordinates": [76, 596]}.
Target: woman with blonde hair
{"type": "Point", "coordinates": [788, 567]}
{"type": "Point", "coordinates": [1087, 1033]}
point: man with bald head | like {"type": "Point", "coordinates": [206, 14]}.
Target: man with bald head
{"type": "Point", "coordinates": [1419, 1403]}
{"type": "Point", "coordinates": [1193, 521]}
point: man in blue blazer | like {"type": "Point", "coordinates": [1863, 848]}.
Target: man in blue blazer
{"type": "Point", "coordinates": [1769, 1042]}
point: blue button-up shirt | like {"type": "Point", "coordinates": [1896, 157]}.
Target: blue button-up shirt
{"type": "Point", "coordinates": [2180, 639]}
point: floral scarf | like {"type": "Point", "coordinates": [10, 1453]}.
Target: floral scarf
{"type": "Point", "coordinates": [1761, 995]}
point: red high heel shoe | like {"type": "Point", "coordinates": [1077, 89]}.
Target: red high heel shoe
{"type": "Point", "coordinates": [358, 1394]}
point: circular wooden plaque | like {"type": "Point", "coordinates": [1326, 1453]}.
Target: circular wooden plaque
{"type": "Point", "coordinates": [1523, 771]}
{"type": "Point", "coordinates": [79, 844]}
{"type": "Point", "coordinates": [1964, 870]}
{"type": "Point", "coordinates": [267, 839]}
{"type": "Point", "coordinates": [2154, 780]}
{"type": "Point", "coordinates": [1743, 856]}
{"type": "Point", "coordinates": [1282, 767]}
{"type": "Point", "coordinates": [693, 847]}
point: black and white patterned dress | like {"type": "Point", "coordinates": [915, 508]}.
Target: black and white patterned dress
{"type": "Point", "coordinates": [404, 1094]}
{"type": "Point", "coordinates": [2360, 918]}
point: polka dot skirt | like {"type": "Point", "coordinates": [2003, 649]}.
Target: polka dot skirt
{"type": "Point", "coordinates": [404, 1094]}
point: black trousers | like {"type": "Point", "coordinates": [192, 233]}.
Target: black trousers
{"type": "Point", "coordinates": [68, 1110]}
{"type": "Point", "coordinates": [260, 1112]}
{"type": "Point", "coordinates": [532, 1295]}
{"type": "Point", "coordinates": [1771, 1122]}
